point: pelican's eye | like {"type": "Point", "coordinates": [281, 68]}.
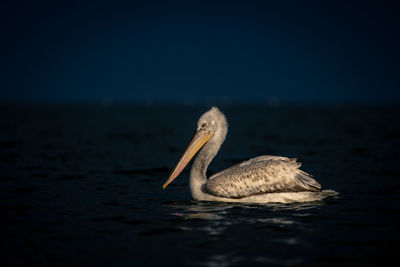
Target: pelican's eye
{"type": "Point", "coordinates": [203, 125]}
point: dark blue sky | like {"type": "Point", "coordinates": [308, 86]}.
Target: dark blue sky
{"type": "Point", "coordinates": [110, 51]}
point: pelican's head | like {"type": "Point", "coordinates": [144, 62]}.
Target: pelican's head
{"type": "Point", "coordinates": [214, 122]}
{"type": "Point", "coordinates": [211, 128]}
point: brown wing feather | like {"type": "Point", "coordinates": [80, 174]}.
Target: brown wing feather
{"type": "Point", "coordinates": [265, 174]}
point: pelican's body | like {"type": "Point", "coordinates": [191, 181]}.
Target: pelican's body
{"type": "Point", "coordinates": [259, 180]}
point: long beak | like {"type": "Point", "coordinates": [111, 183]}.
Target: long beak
{"type": "Point", "coordinates": [199, 139]}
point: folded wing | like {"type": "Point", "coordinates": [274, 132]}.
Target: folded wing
{"type": "Point", "coordinates": [265, 174]}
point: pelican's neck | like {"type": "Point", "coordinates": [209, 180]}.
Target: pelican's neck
{"type": "Point", "coordinates": [198, 177]}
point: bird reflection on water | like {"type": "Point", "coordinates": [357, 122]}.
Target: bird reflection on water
{"type": "Point", "coordinates": [218, 221]}
{"type": "Point", "coordinates": [213, 211]}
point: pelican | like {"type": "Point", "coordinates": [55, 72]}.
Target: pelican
{"type": "Point", "coordinates": [262, 179]}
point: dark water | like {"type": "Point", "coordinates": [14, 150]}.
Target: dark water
{"type": "Point", "coordinates": [82, 185]}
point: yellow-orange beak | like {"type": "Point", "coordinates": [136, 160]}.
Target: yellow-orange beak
{"type": "Point", "coordinates": [199, 139]}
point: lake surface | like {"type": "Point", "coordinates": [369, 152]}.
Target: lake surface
{"type": "Point", "coordinates": [81, 184]}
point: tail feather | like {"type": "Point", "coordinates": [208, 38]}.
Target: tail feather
{"type": "Point", "coordinates": [307, 181]}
